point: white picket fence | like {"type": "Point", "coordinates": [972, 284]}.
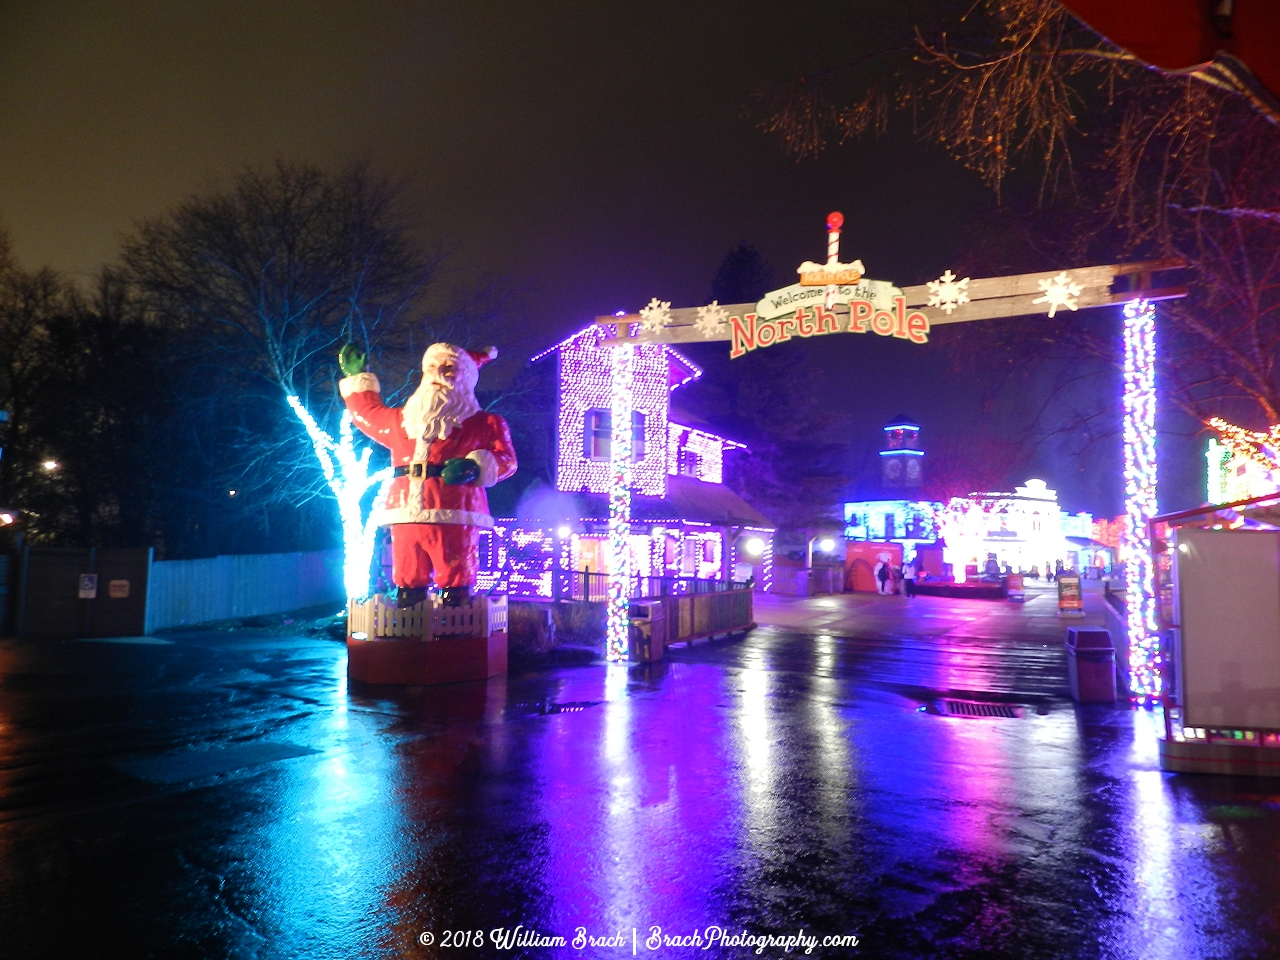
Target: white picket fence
{"type": "Point", "coordinates": [185, 592]}
{"type": "Point", "coordinates": [374, 618]}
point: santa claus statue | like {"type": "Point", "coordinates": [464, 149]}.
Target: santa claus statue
{"type": "Point", "coordinates": [445, 451]}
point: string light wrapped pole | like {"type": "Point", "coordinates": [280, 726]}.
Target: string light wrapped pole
{"type": "Point", "coordinates": [618, 557]}
{"type": "Point", "coordinates": [1140, 499]}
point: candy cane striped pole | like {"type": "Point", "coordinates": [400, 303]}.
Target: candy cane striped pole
{"type": "Point", "coordinates": [834, 222]}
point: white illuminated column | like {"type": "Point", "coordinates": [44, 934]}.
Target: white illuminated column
{"type": "Point", "coordinates": [1140, 498]}
{"type": "Point", "coordinates": [618, 557]}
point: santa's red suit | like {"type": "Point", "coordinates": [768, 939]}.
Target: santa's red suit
{"type": "Point", "coordinates": [434, 525]}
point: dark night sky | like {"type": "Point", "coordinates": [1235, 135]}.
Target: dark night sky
{"type": "Point", "coordinates": [597, 155]}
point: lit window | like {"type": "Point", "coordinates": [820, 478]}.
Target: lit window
{"type": "Point", "coordinates": [595, 434]}
{"type": "Point", "coordinates": [637, 435]}
{"type": "Point", "coordinates": [689, 464]}
{"type": "Point", "coordinates": [596, 430]}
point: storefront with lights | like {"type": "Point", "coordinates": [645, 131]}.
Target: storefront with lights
{"type": "Point", "coordinates": [684, 521]}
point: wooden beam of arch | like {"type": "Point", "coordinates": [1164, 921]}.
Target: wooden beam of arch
{"type": "Point", "coordinates": [990, 298]}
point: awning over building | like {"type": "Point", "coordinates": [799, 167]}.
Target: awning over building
{"type": "Point", "coordinates": [686, 499]}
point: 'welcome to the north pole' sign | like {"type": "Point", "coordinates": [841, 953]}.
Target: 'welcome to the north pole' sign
{"type": "Point", "coordinates": [780, 303]}
{"type": "Point", "coordinates": [754, 330]}
{"type": "Point", "coordinates": [835, 297]}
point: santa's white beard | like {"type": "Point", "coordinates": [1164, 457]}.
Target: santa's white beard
{"type": "Point", "coordinates": [436, 408]}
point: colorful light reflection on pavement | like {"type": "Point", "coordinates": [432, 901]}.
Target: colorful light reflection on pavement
{"type": "Point", "coordinates": [226, 795]}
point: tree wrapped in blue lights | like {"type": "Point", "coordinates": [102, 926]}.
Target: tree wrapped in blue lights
{"type": "Point", "coordinates": [266, 278]}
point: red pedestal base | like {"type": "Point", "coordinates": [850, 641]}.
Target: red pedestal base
{"type": "Point", "coordinates": [415, 663]}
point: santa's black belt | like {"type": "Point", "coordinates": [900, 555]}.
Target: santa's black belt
{"type": "Point", "coordinates": [433, 470]}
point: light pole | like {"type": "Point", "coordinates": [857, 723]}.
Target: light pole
{"type": "Point", "coordinates": [825, 544]}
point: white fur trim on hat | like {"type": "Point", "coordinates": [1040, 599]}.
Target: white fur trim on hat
{"type": "Point", "coordinates": [488, 465]}
{"type": "Point", "coordinates": [483, 355]}
{"type": "Point", "coordinates": [360, 383]}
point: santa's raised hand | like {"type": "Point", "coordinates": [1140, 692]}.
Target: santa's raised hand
{"type": "Point", "coordinates": [350, 360]}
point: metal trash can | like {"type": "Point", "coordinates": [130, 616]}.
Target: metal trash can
{"type": "Point", "coordinates": [1091, 665]}
{"type": "Point", "coordinates": [647, 637]}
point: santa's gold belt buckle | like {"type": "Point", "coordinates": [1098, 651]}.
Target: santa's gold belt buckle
{"type": "Point", "coordinates": [417, 470]}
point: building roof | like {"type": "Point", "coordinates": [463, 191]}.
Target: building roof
{"type": "Point", "coordinates": [681, 369]}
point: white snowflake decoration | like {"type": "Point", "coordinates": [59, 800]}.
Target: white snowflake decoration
{"type": "Point", "coordinates": [655, 316]}
{"type": "Point", "coordinates": [710, 319]}
{"type": "Point", "coordinates": [1059, 291]}
{"type": "Point", "coordinates": [947, 292]}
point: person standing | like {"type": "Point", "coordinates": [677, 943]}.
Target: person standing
{"type": "Point", "coordinates": [909, 579]}
{"type": "Point", "coordinates": [883, 575]}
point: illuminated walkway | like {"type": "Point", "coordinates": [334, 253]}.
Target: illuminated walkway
{"type": "Point", "coordinates": [225, 795]}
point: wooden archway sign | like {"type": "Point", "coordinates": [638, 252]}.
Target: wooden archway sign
{"type": "Point", "coordinates": [836, 298]}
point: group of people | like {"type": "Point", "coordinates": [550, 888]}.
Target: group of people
{"type": "Point", "coordinates": [891, 578]}
{"type": "Point", "coordinates": [1052, 570]}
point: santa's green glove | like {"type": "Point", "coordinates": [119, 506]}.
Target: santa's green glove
{"type": "Point", "coordinates": [458, 471]}
{"type": "Point", "coordinates": [350, 360]}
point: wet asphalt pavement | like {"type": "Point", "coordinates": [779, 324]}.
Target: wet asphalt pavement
{"type": "Point", "coordinates": [227, 795]}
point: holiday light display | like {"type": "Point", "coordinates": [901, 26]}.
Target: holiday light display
{"type": "Point", "coordinates": [1243, 464]}
{"type": "Point", "coordinates": [1024, 529]}
{"type": "Point", "coordinates": [962, 525]}
{"type": "Point", "coordinates": [586, 388]}
{"type": "Point", "coordinates": [697, 453]}
{"type": "Point", "coordinates": [910, 521]}
{"type": "Point", "coordinates": [618, 560]}
{"type": "Point", "coordinates": [1140, 498]}
{"type": "Point", "coordinates": [348, 476]}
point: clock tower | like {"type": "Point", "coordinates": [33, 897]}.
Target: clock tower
{"type": "Point", "coordinates": [901, 459]}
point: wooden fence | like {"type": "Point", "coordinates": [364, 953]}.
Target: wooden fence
{"type": "Point", "coordinates": [692, 616]}
{"type": "Point", "coordinates": [184, 592]}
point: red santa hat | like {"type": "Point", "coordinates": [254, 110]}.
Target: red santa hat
{"type": "Point", "coordinates": [483, 355]}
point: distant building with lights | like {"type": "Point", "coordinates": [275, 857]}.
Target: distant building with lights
{"type": "Point", "coordinates": [894, 507]}
{"type": "Point", "coordinates": [1023, 529]}
{"type": "Point", "coordinates": [1242, 464]}
{"type": "Point", "coordinates": [685, 521]}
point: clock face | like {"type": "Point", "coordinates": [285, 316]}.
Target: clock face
{"type": "Point", "coordinates": [893, 469]}
{"type": "Point", "coordinates": [913, 469]}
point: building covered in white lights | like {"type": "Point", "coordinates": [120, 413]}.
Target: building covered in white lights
{"type": "Point", "coordinates": [685, 521]}
{"type": "Point", "coordinates": [1024, 529]}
